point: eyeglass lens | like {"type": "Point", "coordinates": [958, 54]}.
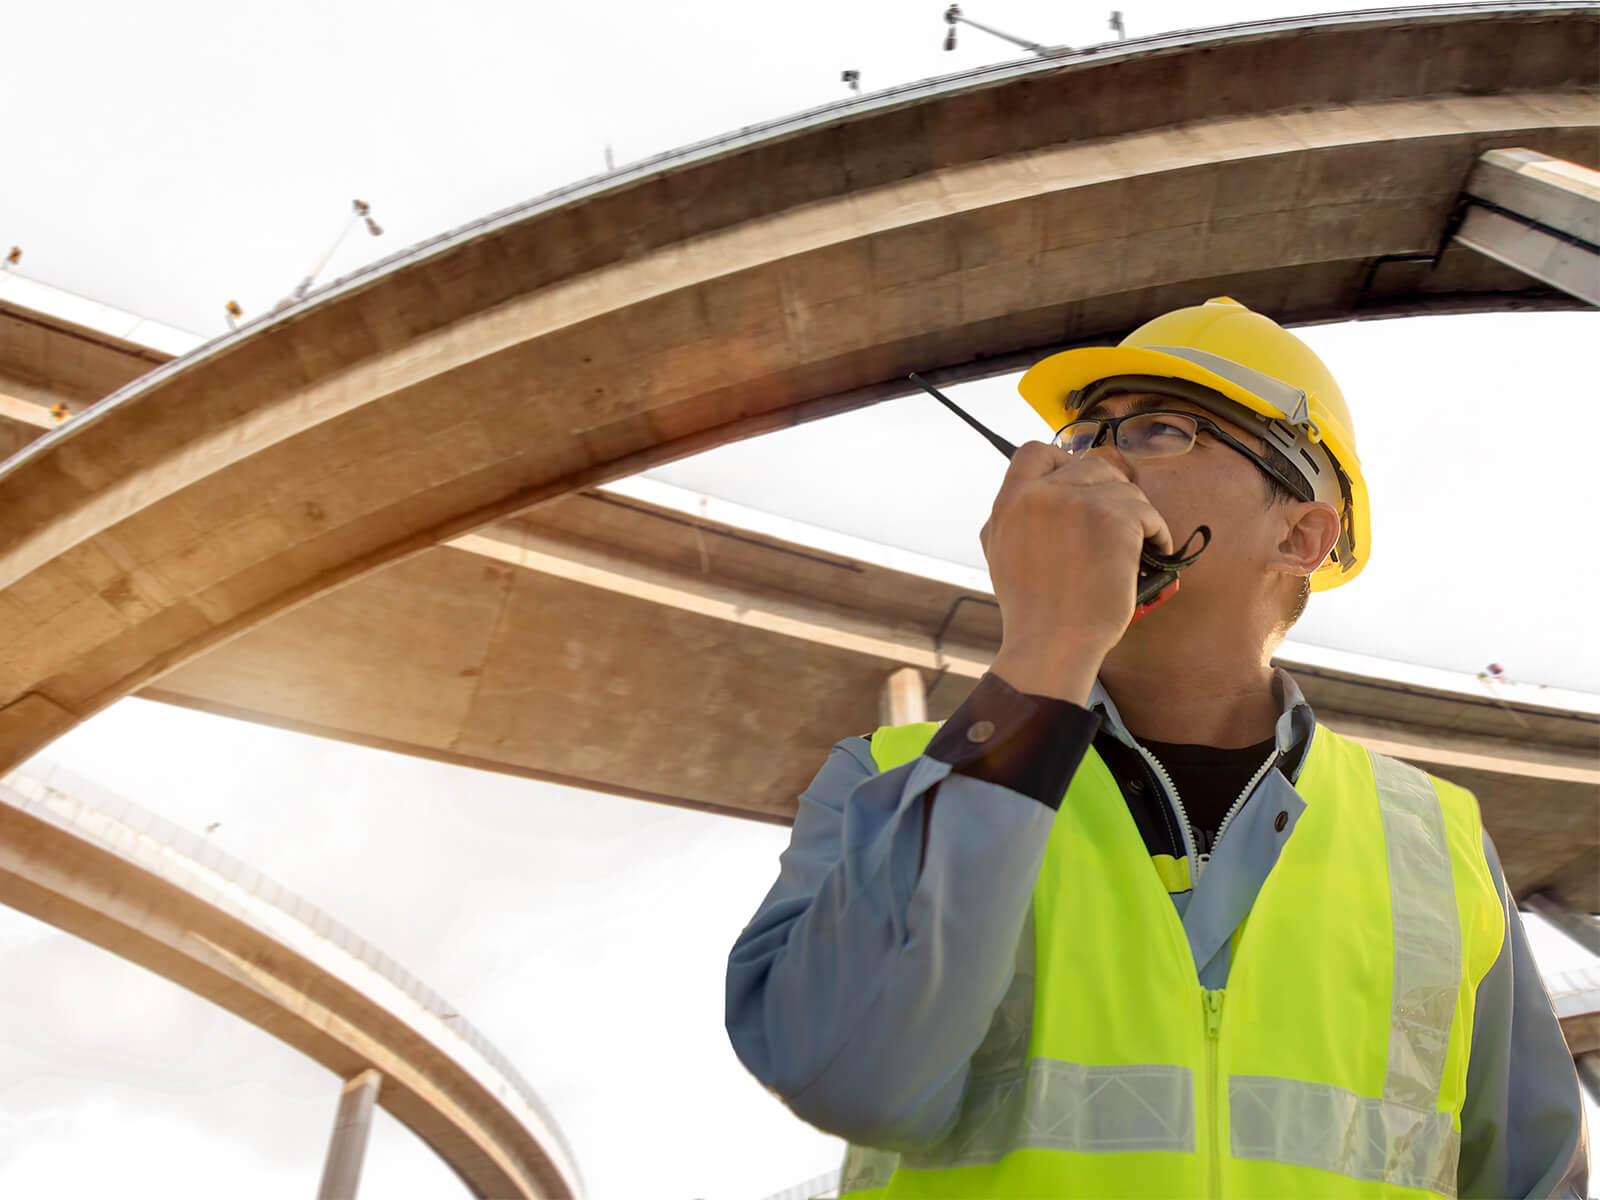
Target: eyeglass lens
{"type": "Point", "coordinates": [1141, 435]}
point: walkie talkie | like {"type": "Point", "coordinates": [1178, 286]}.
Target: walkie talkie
{"type": "Point", "coordinates": [1158, 573]}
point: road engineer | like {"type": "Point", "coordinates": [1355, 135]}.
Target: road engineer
{"type": "Point", "coordinates": [1130, 922]}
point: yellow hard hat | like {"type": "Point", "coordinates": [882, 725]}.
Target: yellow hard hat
{"type": "Point", "coordinates": [1256, 364]}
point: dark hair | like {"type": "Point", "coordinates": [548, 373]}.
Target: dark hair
{"type": "Point", "coordinates": [1277, 493]}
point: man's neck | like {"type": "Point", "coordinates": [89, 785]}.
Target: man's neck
{"type": "Point", "coordinates": [1193, 691]}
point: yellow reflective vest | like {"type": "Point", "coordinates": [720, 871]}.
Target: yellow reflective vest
{"type": "Point", "coordinates": [1334, 1063]}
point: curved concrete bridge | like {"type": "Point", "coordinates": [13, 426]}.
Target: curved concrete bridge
{"type": "Point", "coordinates": [114, 874]}
{"type": "Point", "coordinates": [1311, 167]}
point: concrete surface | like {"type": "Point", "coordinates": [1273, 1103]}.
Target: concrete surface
{"type": "Point", "coordinates": [1538, 214]}
{"type": "Point", "coordinates": [107, 871]}
{"type": "Point", "coordinates": [607, 643]}
{"type": "Point", "coordinates": [1309, 167]}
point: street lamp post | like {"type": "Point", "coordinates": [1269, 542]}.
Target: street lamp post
{"type": "Point", "coordinates": [953, 17]}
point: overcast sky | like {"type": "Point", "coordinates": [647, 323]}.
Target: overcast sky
{"type": "Point", "coordinates": [168, 157]}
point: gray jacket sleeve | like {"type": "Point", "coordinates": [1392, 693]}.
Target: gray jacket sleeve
{"type": "Point", "coordinates": [1522, 1126]}
{"type": "Point", "coordinates": [863, 985]}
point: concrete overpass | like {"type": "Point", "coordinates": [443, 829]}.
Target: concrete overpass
{"type": "Point", "coordinates": [1310, 166]}
{"type": "Point", "coordinates": [112, 873]}
{"type": "Point", "coordinates": [377, 514]}
{"type": "Point", "coordinates": [520, 647]}
{"type": "Point", "coordinates": [484, 652]}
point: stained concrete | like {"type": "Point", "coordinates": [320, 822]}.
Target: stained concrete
{"type": "Point", "coordinates": [1312, 168]}
{"type": "Point", "coordinates": [647, 653]}
{"type": "Point", "coordinates": [778, 275]}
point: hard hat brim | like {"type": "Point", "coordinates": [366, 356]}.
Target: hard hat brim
{"type": "Point", "coordinates": [1048, 385]}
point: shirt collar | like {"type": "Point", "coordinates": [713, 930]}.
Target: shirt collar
{"type": "Point", "coordinates": [1295, 723]}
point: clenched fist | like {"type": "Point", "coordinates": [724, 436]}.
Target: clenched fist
{"type": "Point", "coordinates": [1063, 543]}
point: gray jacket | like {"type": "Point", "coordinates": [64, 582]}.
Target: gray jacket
{"type": "Point", "coordinates": [869, 973]}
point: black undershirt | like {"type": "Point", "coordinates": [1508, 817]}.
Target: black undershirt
{"type": "Point", "coordinates": [1033, 744]}
{"type": "Point", "coordinates": [1209, 780]}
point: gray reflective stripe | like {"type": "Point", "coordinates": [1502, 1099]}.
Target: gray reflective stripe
{"type": "Point", "coordinates": [1013, 1102]}
{"type": "Point", "coordinates": [1427, 932]}
{"type": "Point", "coordinates": [1003, 1052]}
{"type": "Point", "coordinates": [1318, 1125]}
{"type": "Point", "coordinates": [1401, 1137]}
{"type": "Point", "coordinates": [865, 1168]}
{"type": "Point", "coordinates": [1055, 1105]}
{"type": "Point", "coordinates": [1289, 400]}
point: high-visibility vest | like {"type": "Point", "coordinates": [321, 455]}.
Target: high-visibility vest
{"type": "Point", "coordinates": [1333, 1064]}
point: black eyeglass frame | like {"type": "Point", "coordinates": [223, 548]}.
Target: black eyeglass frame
{"type": "Point", "coordinates": [1299, 487]}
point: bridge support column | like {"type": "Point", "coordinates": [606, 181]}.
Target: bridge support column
{"type": "Point", "coordinates": [341, 1173]}
{"type": "Point", "coordinates": [904, 698]}
{"type": "Point", "coordinates": [1538, 214]}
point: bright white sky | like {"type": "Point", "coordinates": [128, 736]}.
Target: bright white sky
{"type": "Point", "coordinates": [165, 158]}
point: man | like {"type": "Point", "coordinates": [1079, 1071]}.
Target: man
{"type": "Point", "coordinates": [1130, 923]}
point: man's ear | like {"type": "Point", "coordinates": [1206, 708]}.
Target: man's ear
{"type": "Point", "coordinates": [1311, 530]}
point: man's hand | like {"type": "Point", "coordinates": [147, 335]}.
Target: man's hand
{"type": "Point", "coordinates": [1063, 544]}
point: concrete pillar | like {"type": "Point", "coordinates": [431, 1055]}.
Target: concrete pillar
{"type": "Point", "coordinates": [341, 1174]}
{"type": "Point", "coordinates": [1538, 214]}
{"type": "Point", "coordinates": [1580, 927]}
{"type": "Point", "coordinates": [904, 699]}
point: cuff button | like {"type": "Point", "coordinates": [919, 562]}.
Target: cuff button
{"type": "Point", "coordinates": [980, 731]}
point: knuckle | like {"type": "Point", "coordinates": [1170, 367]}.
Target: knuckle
{"type": "Point", "coordinates": [1034, 457]}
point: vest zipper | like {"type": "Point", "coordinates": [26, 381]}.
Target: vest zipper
{"type": "Point", "coordinates": [1212, 1000]}
{"type": "Point", "coordinates": [1183, 815]}
{"type": "Point", "coordinates": [1260, 774]}
{"type": "Point", "coordinates": [1198, 862]}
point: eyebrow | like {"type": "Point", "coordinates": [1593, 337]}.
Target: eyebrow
{"type": "Point", "coordinates": [1139, 404]}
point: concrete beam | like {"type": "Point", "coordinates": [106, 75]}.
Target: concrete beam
{"type": "Point", "coordinates": [116, 875]}
{"type": "Point", "coordinates": [490, 660]}
{"type": "Point", "coordinates": [1446, 748]}
{"type": "Point", "coordinates": [957, 227]}
{"type": "Point", "coordinates": [1581, 927]}
{"type": "Point", "coordinates": [1575, 883]}
{"type": "Point", "coordinates": [1538, 214]}
{"type": "Point", "coordinates": [17, 409]}
{"type": "Point", "coordinates": [596, 568]}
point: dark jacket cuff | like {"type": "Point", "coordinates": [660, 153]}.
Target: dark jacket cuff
{"type": "Point", "coordinates": [1030, 744]}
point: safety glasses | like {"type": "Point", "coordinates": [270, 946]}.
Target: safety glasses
{"type": "Point", "coordinates": [1162, 434]}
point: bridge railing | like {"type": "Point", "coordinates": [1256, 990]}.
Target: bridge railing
{"type": "Point", "coordinates": [819, 1187]}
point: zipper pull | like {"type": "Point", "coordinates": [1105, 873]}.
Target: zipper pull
{"type": "Point", "coordinates": [1200, 861]}
{"type": "Point", "coordinates": [1213, 1000]}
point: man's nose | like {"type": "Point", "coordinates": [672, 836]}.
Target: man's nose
{"type": "Point", "coordinates": [1106, 445]}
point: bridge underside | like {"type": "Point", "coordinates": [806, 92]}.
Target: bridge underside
{"type": "Point", "coordinates": [129, 882]}
{"type": "Point", "coordinates": [1312, 169]}
{"type": "Point", "coordinates": [611, 644]}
